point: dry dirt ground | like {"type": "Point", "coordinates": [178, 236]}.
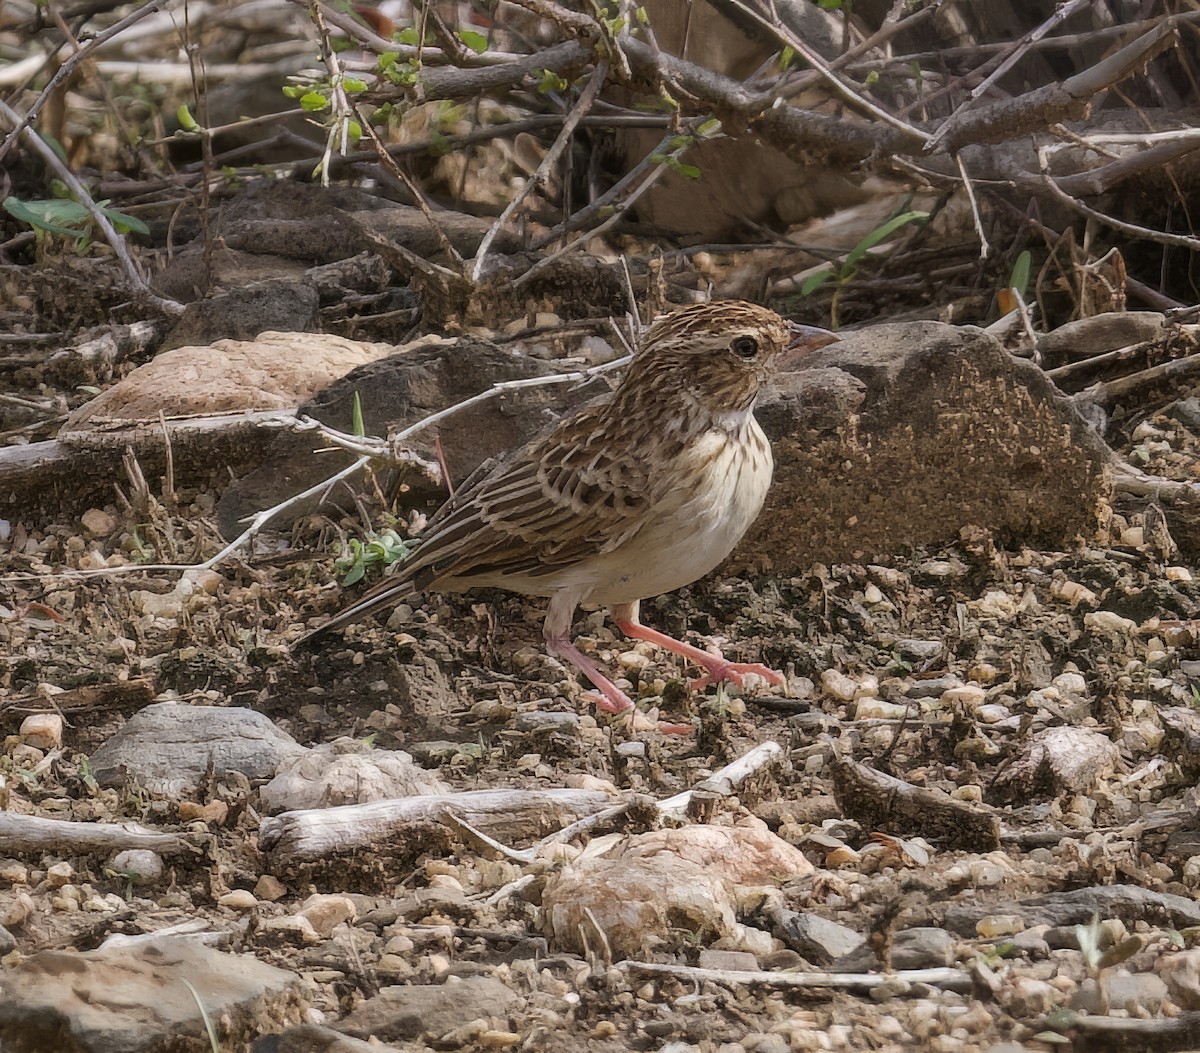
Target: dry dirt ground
{"type": "Point", "coordinates": [1053, 687]}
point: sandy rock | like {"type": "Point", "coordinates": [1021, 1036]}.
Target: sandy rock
{"type": "Point", "coordinates": [325, 912]}
{"type": "Point", "coordinates": [138, 865]}
{"type": "Point", "coordinates": [274, 371]}
{"type": "Point", "coordinates": [170, 746]}
{"type": "Point", "coordinates": [133, 999]}
{"type": "Point", "coordinates": [346, 771]}
{"type": "Point", "coordinates": [901, 434]}
{"type": "Point", "coordinates": [649, 884]}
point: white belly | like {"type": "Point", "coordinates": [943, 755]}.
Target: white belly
{"type": "Point", "coordinates": [695, 530]}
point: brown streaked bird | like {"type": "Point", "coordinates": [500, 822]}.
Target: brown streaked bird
{"type": "Point", "coordinates": [633, 496]}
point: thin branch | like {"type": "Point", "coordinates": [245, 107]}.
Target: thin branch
{"type": "Point", "coordinates": [586, 98]}
{"type": "Point", "coordinates": [1063, 12]}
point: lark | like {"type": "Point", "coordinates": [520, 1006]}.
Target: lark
{"type": "Point", "coordinates": [634, 496]}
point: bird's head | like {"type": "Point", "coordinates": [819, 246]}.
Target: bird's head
{"type": "Point", "coordinates": [721, 353]}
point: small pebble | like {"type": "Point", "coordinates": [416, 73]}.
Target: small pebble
{"type": "Point", "coordinates": [239, 899]}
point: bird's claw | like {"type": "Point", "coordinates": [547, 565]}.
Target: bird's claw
{"type": "Point", "coordinates": [736, 673]}
{"type": "Point", "coordinates": [638, 721]}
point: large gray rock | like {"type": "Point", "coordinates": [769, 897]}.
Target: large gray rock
{"type": "Point", "coordinates": [134, 998]}
{"type": "Point", "coordinates": [168, 747]}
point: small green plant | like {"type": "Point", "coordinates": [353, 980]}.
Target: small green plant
{"type": "Point", "coordinates": [380, 549]}
{"type": "Point", "coordinates": [69, 219]}
{"type": "Point", "coordinates": [849, 266]}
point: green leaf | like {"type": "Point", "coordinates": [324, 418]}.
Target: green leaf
{"type": "Point", "coordinates": [354, 131]}
{"type": "Point", "coordinates": [787, 57]}
{"type": "Point", "coordinates": [357, 426]}
{"type": "Point", "coordinates": [551, 81]}
{"type": "Point", "coordinates": [313, 102]}
{"type": "Point", "coordinates": [709, 128]}
{"type": "Point", "coordinates": [353, 85]}
{"type": "Point", "coordinates": [409, 36]}
{"type": "Point", "coordinates": [829, 5]}
{"type": "Point", "coordinates": [48, 215]}
{"type": "Point", "coordinates": [871, 78]}
{"type": "Point", "coordinates": [186, 121]}
{"type": "Point", "coordinates": [477, 42]}
{"type": "Point", "coordinates": [1020, 273]}
{"type": "Point", "coordinates": [643, 16]}
{"type": "Point", "coordinates": [387, 60]}
{"type": "Point", "coordinates": [687, 171]}
{"type": "Point", "coordinates": [815, 280]}
{"type": "Point", "coordinates": [884, 230]}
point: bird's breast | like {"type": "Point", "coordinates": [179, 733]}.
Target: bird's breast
{"type": "Point", "coordinates": [723, 479]}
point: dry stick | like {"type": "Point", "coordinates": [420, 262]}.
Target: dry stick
{"type": "Point", "coordinates": [984, 247]}
{"type": "Point", "coordinates": [954, 979]}
{"type": "Point", "coordinates": [586, 98]}
{"type": "Point", "coordinates": [727, 779]}
{"type": "Point", "coordinates": [852, 93]}
{"type": "Point", "coordinates": [140, 289]}
{"type": "Point", "coordinates": [1063, 12]}
{"type": "Point", "coordinates": [1050, 103]}
{"type": "Point", "coordinates": [1180, 240]}
{"type": "Point", "coordinates": [339, 102]}
{"type": "Point", "coordinates": [68, 67]}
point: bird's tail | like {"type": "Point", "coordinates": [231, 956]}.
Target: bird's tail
{"type": "Point", "coordinates": [383, 594]}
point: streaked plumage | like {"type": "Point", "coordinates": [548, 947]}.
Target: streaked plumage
{"type": "Point", "coordinates": [634, 496]}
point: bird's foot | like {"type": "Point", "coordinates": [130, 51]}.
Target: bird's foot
{"type": "Point", "coordinates": [719, 669]}
{"type": "Point", "coordinates": [638, 721]}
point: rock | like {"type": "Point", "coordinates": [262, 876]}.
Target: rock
{"type": "Point", "coordinates": [1181, 973]}
{"type": "Point", "coordinates": [1132, 993]}
{"type": "Point", "coordinates": [276, 370]}
{"type": "Point", "coordinates": [139, 866]}
{"type": "Point", "coordinates": [133, 998]}
{"type": "Point", "coordinates": [900, 434]}
{"type": "Point", "coordinates": [168, 747]}
{"type": "Point", "coordinates": [99, 522]}
{"type": "Point", "coordinates": [326, 912]}
{"type": "Point", "coordinates": [8, 942]}
{"type": "Point", "coordinates": [42, 730]}
{"type": "Point", "coordinates": [1056, 761]}
{"type": "Point", "coordinates": [429, 1009]}
{"type": "Point", "coordinates": [283, 305]}
{"type": "Point", "coordinates": [728, 961]}
{"type": "Point", "coordinates": [346, 771]}
{"type": "Point", "coordinates": [818, 940]}
{"type": "Point", "coordinates": [1026, 997]}
{"type": "Point", "coordinates": [922, 947]}
{"type": "Point", "coordinates": [650, 885]}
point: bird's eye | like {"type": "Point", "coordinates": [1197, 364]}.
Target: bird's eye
{"type": "Point", "coordinates": [745, 347]}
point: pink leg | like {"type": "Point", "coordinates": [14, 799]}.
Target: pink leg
{"type": "Point", "coordinates": [557, 631]}
{"type": "Point", "coordinates": [716, 668]}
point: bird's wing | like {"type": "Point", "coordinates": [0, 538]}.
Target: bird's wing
{"type": "Point", "coordinates": [562, 499]}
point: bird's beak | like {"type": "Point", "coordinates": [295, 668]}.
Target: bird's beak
{"type": "Point", "coordinates": [804, 339]}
